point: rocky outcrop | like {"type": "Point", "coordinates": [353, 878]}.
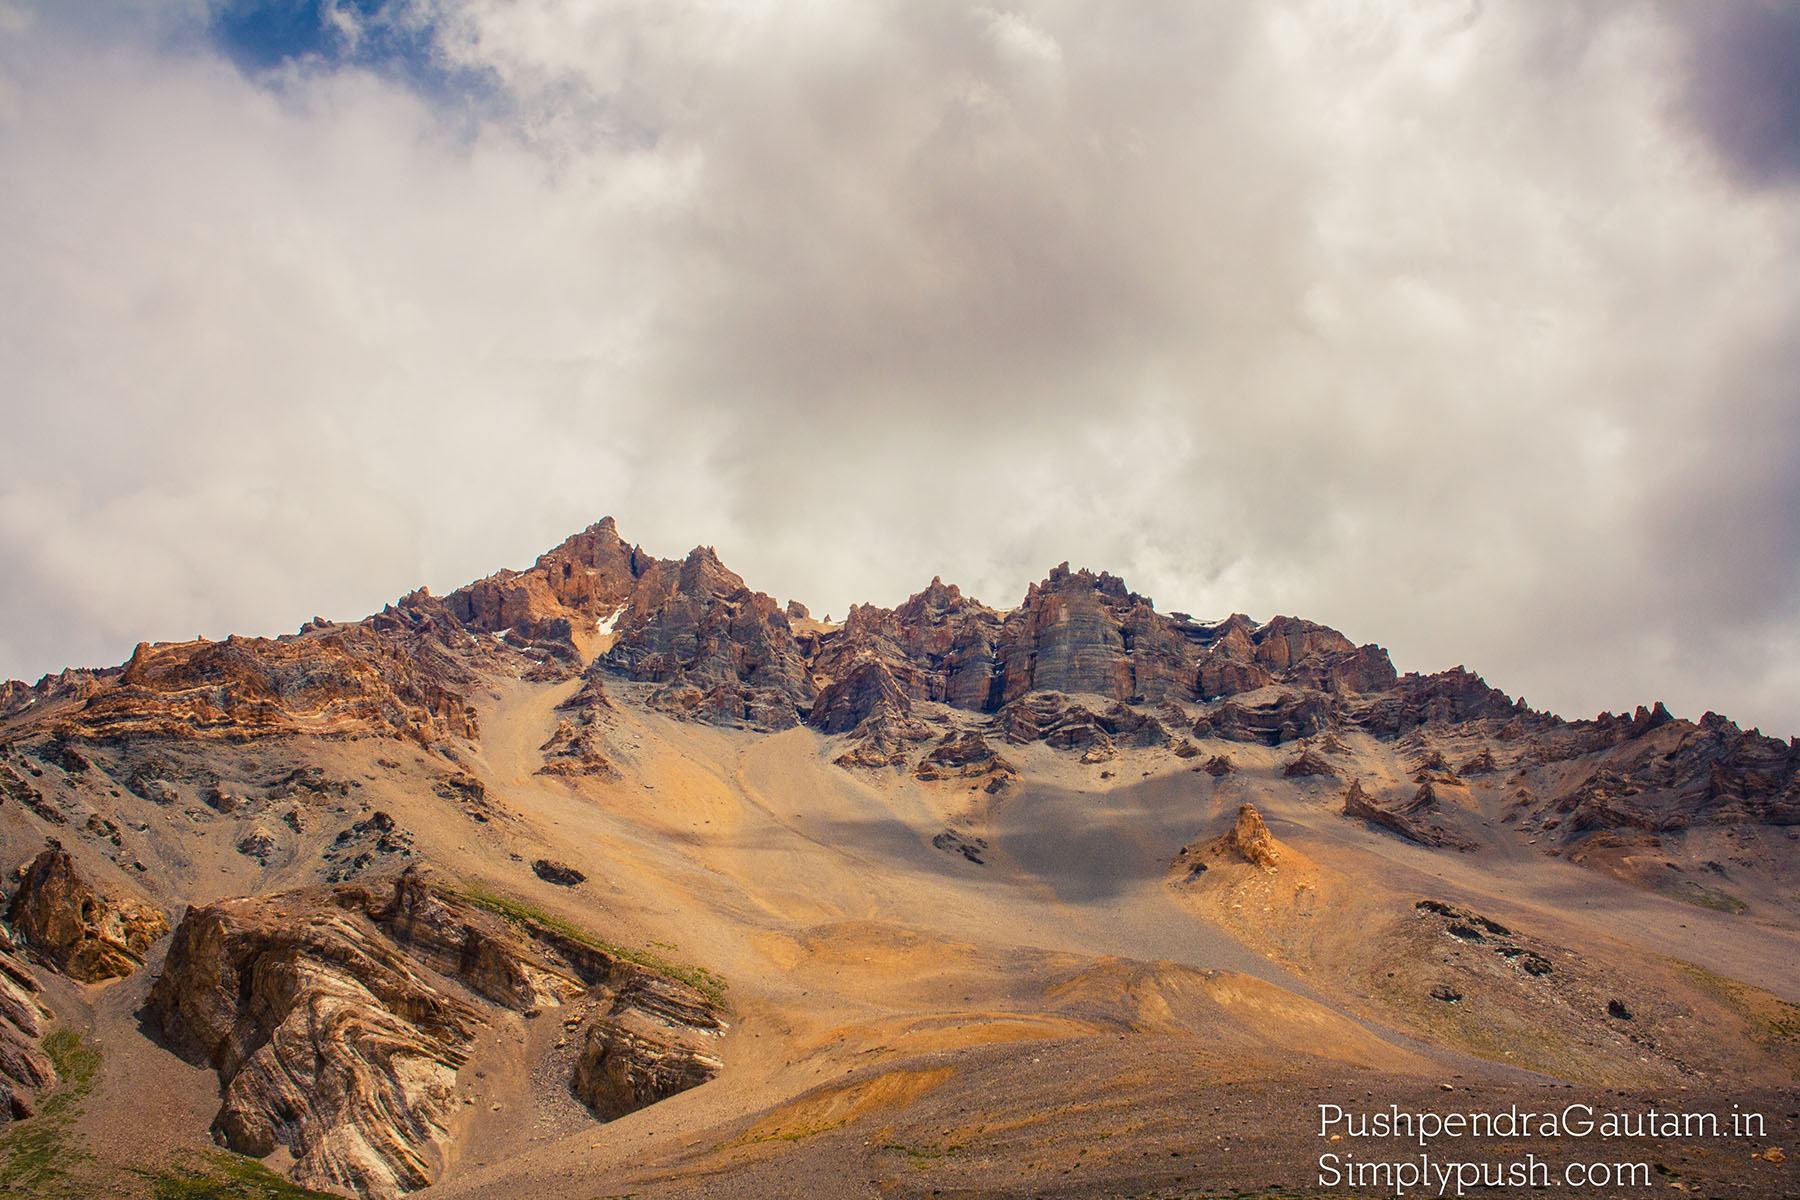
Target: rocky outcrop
{"type": "Point", "coordinates": [633, 1057]}
{"type": "Point", "coordinates": [578, 748]}
{"type": "Point", "coordinates": [1450, 697]}
{"type": "Point", "coordinates": [1068, 636]}
{"type": "Point", "coordinates": [1065, 724]}
{"type": "Point", "coordinates": [1651, 774]}
{"type": "Point", "coordinates": [1220, 675]}
{"type": "Point", "coordinates": [78, 931]}
{"type": "Point", "coordinates": [1412, 820]}
{"type": "Point", "coordinates": [966, 756]}
{"type": "Point", "coordinates": [1243, 657]}
{"type": "Point", "coordinates": [337, 1019]}
{"type": "Point", "coordinates": [868, 687]}
{"type": "Point", "coordinates": [326, 1037]}
{"type": "Point", "coordinates": [885, 739]}
{"type": "Point", "coordinates": [24, 1068]}
{"type": "Point", "coordinates": [1309, 763]}
{"type": "Point", "coordinates": [937, 646]}
{"type": "Point", "coordinates": [1250, 839]}
{"type": "Point", "coordinates": [1287, 718]}
{"type": "Point", "coordinates": [1247, 843]}
{"type": "Point", "coordinates": [394, 675]}
{"type": "Point", "coordinates": [1075, 633]}
{"type": "Point", "coordinates": [558, 873]}
{"type": "Point", "coordinates": [1286, 642]}
{"type": "Point", "coordinates": [721, 652]}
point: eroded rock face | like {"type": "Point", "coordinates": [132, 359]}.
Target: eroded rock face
{"type": "Point", "coordinates": [938, 645]}
{"type": "Point", "coordinates": [566, 593]}
{"type": "Point", "coordinates": [652, 1043]}
{"type": "Point", "coordinates": [337, 1019]}
{"type": "Point", "coordinates": [81, 933]}
{"type": "Point", "coordinates": [578, 748]}
{"type": "Point", "coordinates": [24, 1068]}
{"type": "Point", "coordinates": [966, 756]}
{"type": "Point", "coordinates": [1251, 839]}
{"type": "Point", "coordinates": [724, 653]}
{"type": "Point", "coordinates": [327, 1039]}
{"type": "Point", "coordinates": [1288, 717]}
{"type": "Point", "coordinates": [1413, 820]}
{"type": "Point", "coordinates": [338, 681]}
{"type": "Point", "coordinates": [1309, 763]}
{"type": "Point", "coordinates": [867, 688]}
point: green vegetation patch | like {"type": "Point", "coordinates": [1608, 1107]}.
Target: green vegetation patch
{"type": "Point", "coordinates": [222, 1175]}
{"type": "Point", "coordinates": [1705, 897]}
{"type": "Point", "coordinates": [41, 1155]}
{"type": "Point", "coordinates": [1769, 1017]}
{"type": "Point", "coordinates": [525, 914]}
{"type": "Point", "coordinates": [924, 1157]}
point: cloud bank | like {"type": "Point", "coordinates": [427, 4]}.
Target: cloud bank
{"type": "Point", "coordinates": [1467, 329]}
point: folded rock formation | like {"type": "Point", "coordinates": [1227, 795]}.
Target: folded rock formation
{"type": "Point", "coordinates": [337, 1020]}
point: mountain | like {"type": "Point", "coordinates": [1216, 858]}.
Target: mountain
{"type": "Point", "coordinates": [614, 875]}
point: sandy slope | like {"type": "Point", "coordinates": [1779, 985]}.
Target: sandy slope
{"type": "Point", "coordinates": [902, 1013]}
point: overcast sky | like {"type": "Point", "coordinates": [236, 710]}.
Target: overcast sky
{"type": "Point", "coordinates": [1470, 329]}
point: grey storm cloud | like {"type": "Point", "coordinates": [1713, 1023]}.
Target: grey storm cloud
{"type": "Point", "coordinates": [1468, 329]}
{"type": "Point", "coordinates": [1743, 85]}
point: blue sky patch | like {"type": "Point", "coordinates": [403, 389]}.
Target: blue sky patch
{"type": "Point", "coordinates": [390, 37]}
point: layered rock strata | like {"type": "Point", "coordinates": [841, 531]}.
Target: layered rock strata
{"type": "Point", "coordinates": [338, 1018]}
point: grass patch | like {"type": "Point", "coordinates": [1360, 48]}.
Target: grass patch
{"type": "Point", "coordinates": [222, 1175]}
{"type": "Point", "coordinates": [76, 1065]}
{"type": "Point", "coordinates": [793, 1133]}
{"type": "Point", "coordinates": [523, 913]}
{"type": "Point", "coordinates": [1769, 1016]}
{"type": "Point", "coordinates": [40, 1156]}
{"type": "Point", "coordinates": [1702, 896]}
{"type": "Point", "coordinates": [922, 1158]}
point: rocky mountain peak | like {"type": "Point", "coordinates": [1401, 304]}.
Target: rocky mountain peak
{"type": "Point", "coordinates": [936, 600]}
{"type": "Point", "coordinates": [565, 593]}
{"type": "Point", "coordinates": [702, 573]}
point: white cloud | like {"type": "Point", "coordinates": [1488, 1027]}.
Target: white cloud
{"type": "Point", "coordinates": [1436, 322]}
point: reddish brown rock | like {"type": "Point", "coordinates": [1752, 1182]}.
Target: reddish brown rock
{"type": "Point", "coordinates": [865, 688]}
{"type": "Point", "coordinates": [1219, 676]}
{"type": "Point", "coordinates": [81, 933]}
{"type": "Point", "coordinates": [724, 653]}
{"type": "Point", "coordinates": [567, 593]}
{"type": "Point", "coordinates": [395, 674]}
{"type": "Point", "coordinates": [1286, 642]}
{"type": "Point", "coordinates": [1411, 820]}
{"type": "Point", "coordinates": [578, 748]}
